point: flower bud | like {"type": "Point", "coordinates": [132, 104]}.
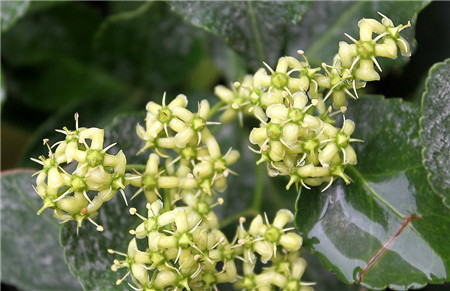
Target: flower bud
{"type": "Point", "coordinates": [291, 241]}
{"type": "Point", "coordinates": [277, 151]}
{"type": "Point", "coordinates": [165, 278]}
{"type": "Point", "coordinates": [403, 46]}
{"type": "Point", "coordinates": [282, 218]}
{"type": "Point", "coordinates": [258, 135]}
{"type": "Point", "coordinates": [366, 71]}
{"type": "Point", "coordinates": [257, 227]}
{"type": "Point", "coordinates": [388, 49]}
{"type": "Point", "coordinates": [224, 93]}
{"type": "Point", "coordinates": [264, 249]}
{"type": "Point", "coordinates": [328, 153]}
{"type": "Point", "coordinates": [347, 53]}
{"type": "Point", "coordinates": [140, 273]}
{"type": "Point", "coordinates": [261, 79]}
{"type": "Point", "coordinates": [290, 133]}
{"type": "Point", "coordinates": [277, 112]}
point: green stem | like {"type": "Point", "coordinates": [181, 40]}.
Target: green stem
{"type": "Point", "coordinates": [259, 189]}
{"type": "Point", "coordinates": [255, 31]}
{"type": "Point", "coordinates": [136, 167]}
{"type": "Point", "coordinates": [215, 108]}
{"type": "Point", "coordinates": [230, 219]}
{"type": "Point", "coordinates": [167, 201]}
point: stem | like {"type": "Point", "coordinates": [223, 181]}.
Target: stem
{"type": "Point", "coordinates": [216, 107]}
{"type": "Point", "coordinates": [136, 167]}
{"type": "Point", "coordinates": [259, 189]}
{"type": "Point", "coordinates": [255, 31]}
{"type": "Point", "coordinates": [230, 219]}
{"type": "Point", "coordinates": [167, 201]}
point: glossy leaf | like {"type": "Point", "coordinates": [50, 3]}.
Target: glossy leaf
{"type": "Point", "coordinates": [346, 225]}
{"type": "Point", "coordinates": [58, 83]}
{"type": "Point", "coordinates": [435, 129]}
{"type": "Point", "coordinates": [47, 59]}
{"type": "Point", "coordinates": [324, 25]}
{"type": "Point", "coordinates": [256, 30]}
{"type": "Point", "coordinates": [32, 257]}
{"type": "Point", "coordinates": [57, 31]}
{"type": "Point", "coordinates": [11, 11]}
{"type": "Point", "coordinates": [148, 47]}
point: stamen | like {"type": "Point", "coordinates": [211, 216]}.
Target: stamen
{"type": "Point", "coordinates": [76, 116]}
{"type": "Point", "coordinates": [60, 197]}
{"type": "Point", "coordinates": [355, 61]}
{"type": "Point", "coordinates": [124, 196]}
{"type": "Point", "coordinates": [81, 167]}
{"type": "Point", "coordinates": [37, 161]}
{"type": "Point", "coordinates": [374, 60]}
{"type": "Point", "coordinates": [133, 211]}
{"type": "Point", "coordinates": [196, 273]}
{"type": "Point", "coordinates": [134, 288]}
{"type": "Point", "coordinates": [351, 38]}
{"type": "Point", "coordinates": [57, 143]}
{"type": "Point", "coordinates": [253, 150]}
{"type": "Point", "coordinates": [268, 67]}
{"type": "Point", "coordinates": [61, 131]}
{"type": "Point", "coordinates": [266, 219]}
{"type": "Point", "coordinates": [87, 197]}
{"type": "Point", "coordinates": [304, 185]}
{"type": "Point", "coordinates": [195, 227]}
{"type": "Point", "coordinates": [380, 36]}
{"type": "Point", "coordinates": [118, 282]}
{"type": "Point", "coordinates": [108, 147]}
{"type": "Point", "coordinates": [99, 227]}
{"type": "Point", "coordinates": [329, 185]}
{"type": "Point", "coordinates": [164, 99]}
{"type": "Point", "coordinates": [174, 161]}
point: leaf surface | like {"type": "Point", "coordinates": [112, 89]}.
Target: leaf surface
{"type": "Point", "coordinates": [347, 224]}
{"type": "Point", "coordinates": [435, 129]}
{"type": "Point", "coordinates": [11, 11]}
{"type": "Point", "coordinates": [148, 47]}
{"type": "Point", "coordinates": [256, 30]}
{"type": "Point", "coordinates": [32, 257]}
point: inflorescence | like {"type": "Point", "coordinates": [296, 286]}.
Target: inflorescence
{"type": "Point", "coordinates": [186, 170]}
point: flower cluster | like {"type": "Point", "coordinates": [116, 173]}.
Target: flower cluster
{"type": "Point", "coordinates": [178, 244]}
{"type": "Point", "coordinates": [186, 250]}
{"type": "Point", "coordinates": [297, 136]}
{"type": "Point", "coordinates": [95, 178]}
{"type": "Point", "coordinates": [193, 156]}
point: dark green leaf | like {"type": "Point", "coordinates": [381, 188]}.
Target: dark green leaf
{"type": "Point", "coordinates": [435, 129]}
{"type": "Point", "coordinates": [47, 59]}
{"type": "Point", "coordinates": [61, 81]}
{"type": "Point", "coordinates": [255, 29]}
{"type": "Point", "coordinates": [11, 11]}
{"type": "Point", "coordinates": [346, 225]}
{"type": "Point", "coordinates": [86, 253]}
{"type": "Point", "coordinates": [32, 258]}
{"type": "Point", "coordinates": [324, 25]}
{"type": "Point", "coordinates": [57, 31]}
{"type": "Point", "coordinates": [149, 47]}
